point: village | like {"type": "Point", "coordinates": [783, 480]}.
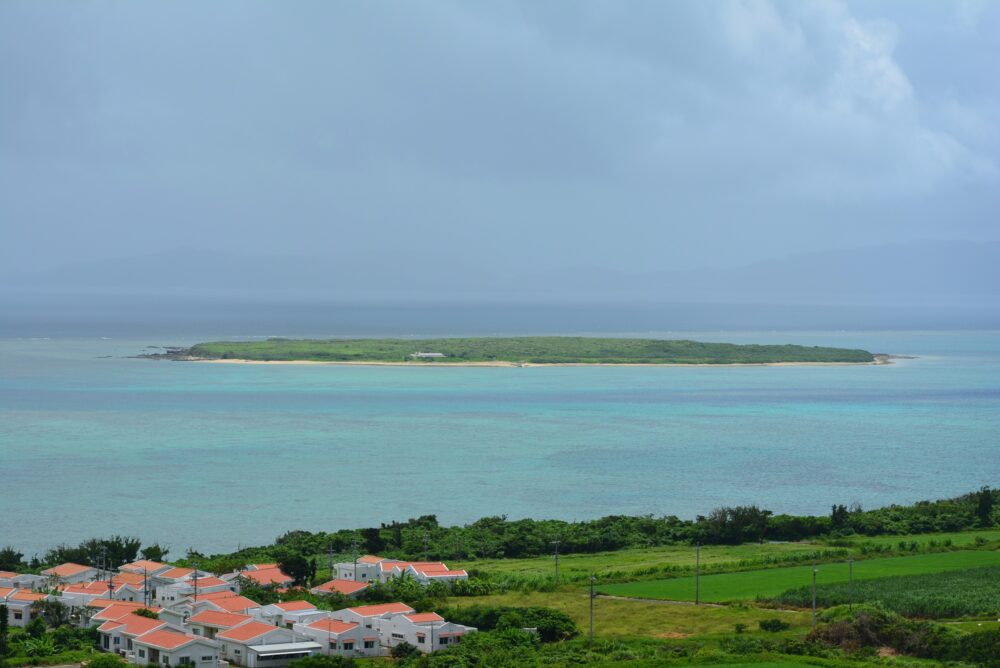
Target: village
{"type": "Point", "coordinates": [154, 613]}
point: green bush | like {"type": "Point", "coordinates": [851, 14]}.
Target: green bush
{"type": "Point", "coordinates": [773, 625]}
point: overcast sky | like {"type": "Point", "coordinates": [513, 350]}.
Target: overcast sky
{"type": "Point", "coordinates": [633, 135]}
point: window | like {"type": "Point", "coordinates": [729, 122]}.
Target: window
{"type": "Point", "coordinates": [333, 644]}
{"type": "Point", "coordinates": [349, 645]}
{"type": "Point", "coordinates": [142, 654]}
{"type": "Point", "coordinates": [369, 644]}
{"type": "Point", "coordinates": [18, 614]}
{"type": "Point", "coordinates": [128, 644]}
{"type": "Point", "coordinates": [185, 661]}
{"type": "Point", "coordinates": [400, 636]}
{"type": "Point", "coordinates": [443, 641]}
{"type": "Point", "coordinates": [208, 658]}
{"type": "Point", "coordinates": [420, 640]}
{"type": "Point", "coordinates": [166, 660]}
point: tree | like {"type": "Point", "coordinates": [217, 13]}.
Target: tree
{"type": "Point", "coordinates": [404, 650]}
{"type": "Point", "coordinates": [55, 613]}
{"type": "Point", "coordinates": [154, 552]}
{"type": "Point", "coordinates": [984, 506]}
{"type": "Point", "coordinates": [146, 612]}
{"type": "Point", "coordinates": [373, 540]}
{"type": "Point", "coordinates": [300, 569]}
{"type": "Point", "coordinates": [11, 559]}
{"type": "Point", "coordinates": [839, 516]}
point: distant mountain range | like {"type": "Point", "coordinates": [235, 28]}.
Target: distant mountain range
{"type": "Point", "coordinates": [931, 272]}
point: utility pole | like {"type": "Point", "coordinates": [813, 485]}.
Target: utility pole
{"type": "Point", "coordinates": [815, 570]}
{"type": "Point", "coordinates": [555, 545]}
{"type": "Point", "coordinates": [850, 597]}
{"type": "Point", "coordinates": [697, 573]}
{"type": "Point", "coordinates": [427, 543]}
{"type": "Point", "coordinates": [145, 587]}
{"type": "Point", "coordinates": [330, 557]}
{"type": "Point", "coordinates": [354, 551]}
{"type": "Point", "coordinates": [196, 582]}
{"type": "Point", "coordinates": [593, 579]}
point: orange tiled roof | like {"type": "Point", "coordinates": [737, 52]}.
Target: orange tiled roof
{"type": "Point", "coordinates": [346, 587]}
{"type": "Point", "coordinates": [210, 581]}
{"type": "Point", "coordinates": [138, 566]}
{"type": "Point", "coordinates": [22, 595]}
{"type": "Point", "coordinates": [233, 603]}
{"type": "Point", "coordinates": [220, 619]}
{"type": "Point", "coordinates": [247, 631]}
{"type": "Point", "coordinates": [292, 606]}
{"type": "Point", "coordinates": [370, 559]}
{"type": "Point", "coordinates": [6, 575]}
{"type": "Point", "coordinates": [132, 624]}
{"type": "Point", "coordinates": [381, 609]}
{"type": "Point", "coordinates": [268, 576]}
{"type": "Point", "coordinates": [107, 603]}
{"type": "Point", "coordinates": [66, 570]}
{"type": "Point", "coordinates": [333, 626]}
{"type": "Point", "coordinates": [422, 617]}
{"type": "Point", "coordinates": [6, 591]}
{"type": "Point", "coordinates": [176, 573]}
{"type": "Point", "coordinates": [166, 639]}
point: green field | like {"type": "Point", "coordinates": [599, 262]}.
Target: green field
{"type": "Point", "coordinates": [521, 350]}
{"type": "Point", "coordinates": [642, 619]}
{"type": "Point", "coordinates": [964, 593]}
{"type": "Point", "coordinates": [957, 538]}
{"type": "Point", "coordinates": [642, 561]}
{"type": "Point", "coordinates": [749, 585]}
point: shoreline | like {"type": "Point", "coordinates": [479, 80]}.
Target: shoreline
{"type": "Point", "coordinates": [880, 360]}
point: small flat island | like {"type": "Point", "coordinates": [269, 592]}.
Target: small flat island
{"type": "Point", "coordinates": [514, 351]}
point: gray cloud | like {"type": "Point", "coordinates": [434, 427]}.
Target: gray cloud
{"type": "Point", "coordinates": [635, 136]}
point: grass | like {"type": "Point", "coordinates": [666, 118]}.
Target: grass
{"type": "Point", "coordinates": [749, 585]}
{"type": "Point", "coordinates": [635, 561]}
{"type": "Point", "coordinates": [963, 593]}
{"type": "Point", "coordinates": [957, 538]}
{"type": "Point", "coordinates": [632, 619]}
{"type": "Point", "coordinates": [527, 349]}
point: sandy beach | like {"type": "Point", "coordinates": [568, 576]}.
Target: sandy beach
{"type": "Point", "coordinates": [879, 360]}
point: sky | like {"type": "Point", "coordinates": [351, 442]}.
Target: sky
{"type": "Point", "coordinates": [642, 136]}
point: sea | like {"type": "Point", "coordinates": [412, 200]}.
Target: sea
{"type": "Point", "coordinates": [94, 441]}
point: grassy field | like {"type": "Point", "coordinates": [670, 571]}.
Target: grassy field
{"type": "Point", "coordinates": [529, 349]}
{"type": "Point", "coordinates": [634, 561]}
{"type": "Point", "coordinates": [749, 585]}
{"type": "Point", "coordinates": [952, 594]}
{"type": "Point", "coordinates": [957, 538]}
{"type": "Point", "coordinates": [650, 619]}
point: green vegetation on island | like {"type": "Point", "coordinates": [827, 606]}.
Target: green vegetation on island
{"type": "Point", "coordinates": [518, 350]}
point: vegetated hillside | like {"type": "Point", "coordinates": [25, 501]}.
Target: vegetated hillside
{"type": "Point", "coordinates": [973, 591]}
{"type": "Point", "coordinates": [531, 350]}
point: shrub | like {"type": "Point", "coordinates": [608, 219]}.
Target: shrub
{"type": "Point", "coordinates": [105, 661]}
{"type": "Point", "coordinates": [774, 625]}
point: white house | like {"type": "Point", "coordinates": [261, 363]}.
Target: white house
{"type": "Point", "coordinates": [259, 645]}
{"type": "Point", "coordinates": [368, 615]}
{"type": "Point", "coordinates": [288, 613]}
{"type": "Point", "coordinates": [70, 573]}
{"type": "Point", "coordinates": [427, 631]}
{"type": "Point", "coordinates": [146, 568]}
{"type": "Point", "coordinates": [349, 639]}
{"type": "Point", "coordinates": [209, 623]}
{"type": "Point", "coordinates": [19, 602]}
{"type": "Point", "coordinates": [338, 586]}
{"type": "Point", "coordinates": [173, 648]}
{"type": "Point", "coordinates": [371, 568]}
{"type": "Point", "coordinates": [12, 580]}
{"type": "Point", "coordinates": [192, 587]}
{"type": "Point", "coordinates": [117, 635]}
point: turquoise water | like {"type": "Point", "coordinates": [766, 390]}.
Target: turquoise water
{"type": "Point", "coordinates": [213, 456]}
